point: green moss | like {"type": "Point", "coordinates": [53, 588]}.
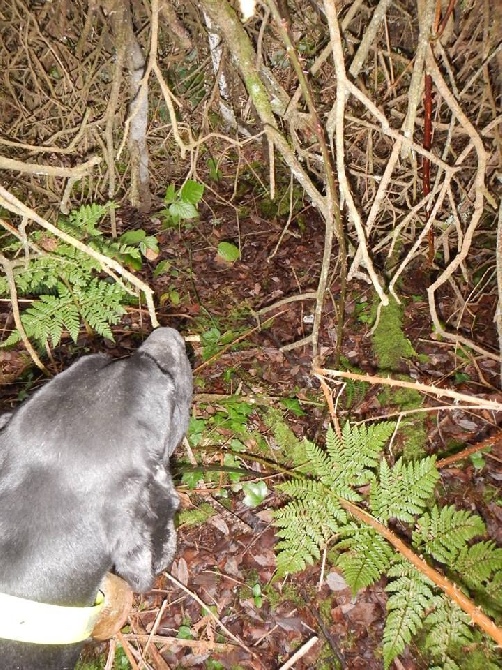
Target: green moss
{"type": "Point", "coordinates": [327, 660]}
{"type": "Point", "coordinates": [197, 516]}
{"type": "Point", "coordinates": [414, 437]}
{"type": "Point", "coordinates": [405, 399]}
{"type": "Point", "coordinates": [288, 592]}
{"type": "Point", "coordinates": [389, 342]}
{"type": "Point", "coordinates": [325, 607]}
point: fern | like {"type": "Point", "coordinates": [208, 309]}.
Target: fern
{"type": "Point", "coordinates": [403, 491]}
{"type": "Point", "coordinates": [303, 525]}
{"type": "Point", "coordinates": [297, 521]}
{"type": "Point", "coordinates": [479, 562]}
{"type": "Point", "coordinates": [66, 281]}
{"type": "Point", "coordinates": [352, 468]}
{"type": "Point", "coordinates": [411, 594]}
{"type": "Point", "coordinates": [356, 454]}
{"type": "Point", "coordinates": [448, 629]}
{"type": "Point", "coordinates": [100, 305]}
{"type": "Point", "coordinates": [83, 221]}
{"type": "Point", "coordinates": [444, 532]}
{"type": "Point", "coordinates": [196, 516]}
{"type": "Point", "coordinates": [367, 556]}
{"type": "Point", "coordinates": [47, 318]}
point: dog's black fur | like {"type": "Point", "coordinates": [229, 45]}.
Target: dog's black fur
{"type": "Point", "coordinates": [85, 483]}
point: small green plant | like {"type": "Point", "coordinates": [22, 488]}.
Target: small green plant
{"type": "Point", "coordinates": [228, 252]}
{"type": "Point", "coordinates": [214, 339]}
{"type": "Point", "coordinates": [181, 204]}
{"type": "Point", "coordinates": [120, 662]}
{"type": "Point", "coordinates": [66, 283]}
{"type": "Point", "coordinates": [147, 245]}
{"type": "Point", "coordinates": [214, 171]}
{"type": "Point", "coordinates": [353, 469]}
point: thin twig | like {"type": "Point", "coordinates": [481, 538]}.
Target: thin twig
{"type": "Point", "coordinates": [7, 266]}
{"type": "Point", "coordinates": [304, 649]}
{"type": "Point", "coordinates": [416, 386]}
{"type": "Point", "coordinates": [212, 616]}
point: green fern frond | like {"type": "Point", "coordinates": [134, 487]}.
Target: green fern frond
{"type": "Point", "coordinates": [479, 562]}
{"type": "Point", "coordinates": [316, 461]}
{"type": "Point", "coordinates": [304, 528]}
{"type": "Point", "coordinates": [86, 218]}
{"type": "Point", "coordinates": [291, 559]}
{"type": "Point", "coordinates": [410, 597]}
{"type": "Point", "coordinates": [288, 443]}
{"type": "Point", "coordinates": [355, 390]}
{"type": "Point", "coordinates": [302, 489]}
{"type": "Point", "coordinates": [444, 532]}
{"type": "Point", "coordinates": [297, 548]}
{"type": "Point", "coordinates": [308, 517]}
{"type": "Point", "coordinates": [315, 519]}
{"type": "Point", "coordinates": [101, 305]}
{"type": "Point", "coordinates": [196, 516]}
{"type": "Point", "coordinates": [367, 558]}
{"type": "Point", "coordinates": [117, 250]}
{"type": "Point", "coordinates": [357, 453]}
{"type": "Point", "coordinates": [448, 629]}
{"type": "Point", "coordinates": [494, 588]}
{"type": "Point", "coordinates": [449, 664]}
{"type": "Point", "coordinates": [404, 490]}
{"type": "Point", "coordinates": [46, 319]}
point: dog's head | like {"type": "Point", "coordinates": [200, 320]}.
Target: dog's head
{"type": "Point", "coordinates": [85, 481]}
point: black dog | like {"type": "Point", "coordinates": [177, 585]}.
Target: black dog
{"type": "Point", "coordinates": [85, 483]}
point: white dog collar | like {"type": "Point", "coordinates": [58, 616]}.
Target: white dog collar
{"type": "Point", "coordinates": [28, 621]}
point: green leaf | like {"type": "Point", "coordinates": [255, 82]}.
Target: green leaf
{"type": "Point", "coordinates": [184, 633]}
{"type": "Point", "coordinates": [150, 242]}
{"type": "Point", "coordinates": [257, 595]}
{"type": "Point", "coordinates": [162, 268]}
{"type": "Point", "coordinates": [174, 297]}
{"type": "Point", "coordinates": [214, 171]}
{"type": "Point", "coordinates": [255, 493]}
{"type": "Point", "coordinates": [192, 479]}
{"type": "Point", "coordinates": [293, 405]}
{"type": "Point", "coordinates": [228, 252]}
{"type": "Point", "coordinates": [183, 210]}
{"type": "Point", "coordinates": [192, 192]}
{"type": "Point", "coordinates": [478, 460]}
{"type": "Point", "coordinates": [230, 461]}
{"type": "Point", "coordinates": [133, 237]}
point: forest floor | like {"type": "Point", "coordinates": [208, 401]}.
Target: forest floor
{"type": "Point", "coordinates": [228, 563]}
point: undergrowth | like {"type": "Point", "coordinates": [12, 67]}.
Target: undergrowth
{"type": "Point", "coordinates": [65, 283]}
{"type": "Point", "coordinates": [400, 495]}
{"type": "Point", "coordinates": [66, 286]}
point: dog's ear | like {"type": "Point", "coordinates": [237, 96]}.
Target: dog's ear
{"type": "Point", "coordinates": [4, 419]}
{"type": "Point", "coordinates": [167, 348]}
{"type": "Point", "coordinates": [143, 533]}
